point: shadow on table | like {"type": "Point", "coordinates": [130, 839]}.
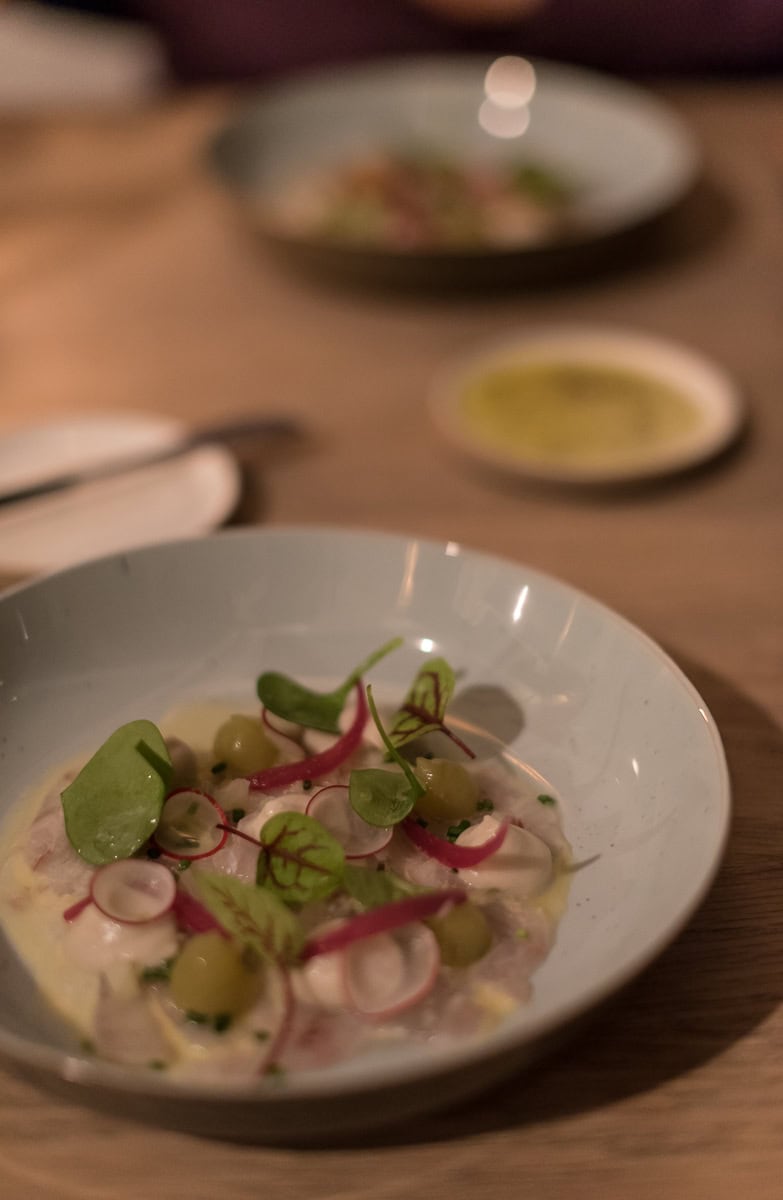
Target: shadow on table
{"type": "Point", "coordinates": [719, 980]}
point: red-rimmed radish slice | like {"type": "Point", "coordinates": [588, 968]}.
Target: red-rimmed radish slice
{"type": "Point", "coordinates": [383, 919]}
{"type": "Point", "coordinates": [331, 807]}
{"type": "Point", "coordinates": [317, 765]}
{"type": "Point", "coordinates": [133, 890]}
{"type": "Point", "coordinates": [449, 853]}
{"type": "Point", "coordinates": [389, 973]}
{"type": "Point", "coordinates": [190, 825]}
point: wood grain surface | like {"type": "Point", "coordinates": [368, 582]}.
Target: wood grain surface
{"type": "Point", "coordinates": [126, 280]}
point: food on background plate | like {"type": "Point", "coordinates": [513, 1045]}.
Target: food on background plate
{"type": "Point", "coordinates": [259, 894]}
{"type": "Point", "coordinates": [408, 202]}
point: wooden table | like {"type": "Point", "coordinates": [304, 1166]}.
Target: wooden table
{"type": "Point", "coordinates": [125, 281]}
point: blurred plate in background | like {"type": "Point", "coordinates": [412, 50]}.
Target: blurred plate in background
{"type": "Point", "coordinates": [618, 151]}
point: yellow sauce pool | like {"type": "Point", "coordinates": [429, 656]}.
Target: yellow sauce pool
{"type": "Point", "coordinates": [579, 414]}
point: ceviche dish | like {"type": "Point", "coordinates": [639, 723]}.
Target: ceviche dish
{"type": "Point", "coordinates": [407, 201]}
{"type": "Point", "coordinates": [255, 889]}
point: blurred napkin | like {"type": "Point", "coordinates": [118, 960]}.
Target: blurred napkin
{"type": "Point", "coordinates": [50, 58]}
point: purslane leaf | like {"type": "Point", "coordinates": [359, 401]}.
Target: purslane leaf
{"type": "Point", "coordinates": [374, 888]}
{"type": "Point", "coordinates": [253, 915]}
{"type": "Point", "coordinates": [382, 797]}
{"type": "Point", "coordinates": [113, 805]}
{"type": "Point", "coordinates": [286, 698]}
{"type": "Point", "coordinates": [299, 859]}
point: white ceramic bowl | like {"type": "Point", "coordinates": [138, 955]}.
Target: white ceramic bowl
{"type": "Point", "coordinates": [607, 718]}
{"type": "Point", "coordinates": [626, 153]}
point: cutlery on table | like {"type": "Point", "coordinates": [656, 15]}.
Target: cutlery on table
{"type": "Point", "coordinates": [264, 428]}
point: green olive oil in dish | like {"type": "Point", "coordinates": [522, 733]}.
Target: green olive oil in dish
{"type": "Point", "coordinates": [576, 414]}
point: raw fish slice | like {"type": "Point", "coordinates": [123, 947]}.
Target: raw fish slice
{"type": "Point", "coordinates": [48, 850]}
{"type": "Point", "coordinates": [125, 1030]}
{"type": "Point", "coordinates": [318, 1038]}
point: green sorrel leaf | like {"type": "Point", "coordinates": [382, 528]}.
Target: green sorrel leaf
{"type": "Point", "coordinates": [373, 888]}
{"type": "Point", "coordinates": [299, 860]}
{"type": "Point", "coordinates": [113, 805]}
{"type": "Point", "coordinates": [254, 916]}
{"type": "Point", "coordinates": [424, 708]}
{"type": "Point", "coordinates": [315, 710]}
{"type": "Point", "coordinates": [379, 796]}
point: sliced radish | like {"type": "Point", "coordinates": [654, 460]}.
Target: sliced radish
{"type": "Point", "coordinates": [390, 972]}
{"type": "Point", "coordinates": [322, 980]}
{"type": "Point", "coordinates": [331, 807]}
{"type": "Point", "coordinates": [191, 825]}
{"type": "Point", "coordinates": [288, 802]}
{"type": "Point", "coordinates": [383, 919]}
{"type": "Point", "coordinates": [317, 765]}
{"type": "Point", "coordinates": [447, 852]}
{"type": "Point", "coordinates": [133, 890]}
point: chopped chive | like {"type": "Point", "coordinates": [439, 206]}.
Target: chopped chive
{"type": "Point", "coordinates": [157, 1064]}
{"type": "Point", "coordinates": [222, 1022]}
{"type": "Point", "coordinates": [453, 831]}
{"type": "Point", "coordinates": [306, 785]}
{"type": "Point", "coordinates": [485, 806]}
{"type": "Point", "coordinates": [236, 815]}
{"type": "Point", "coordinates": [522, 934]}
{"type": "Point", "coordinates": [546, 799]}
{"type": "Point", "coordinates": [183, 864]}
{"type": "Point", "coordinates": [160, 972]}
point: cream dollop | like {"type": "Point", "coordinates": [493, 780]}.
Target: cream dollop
{"type": "Point", "coordinates": [523, 864]}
